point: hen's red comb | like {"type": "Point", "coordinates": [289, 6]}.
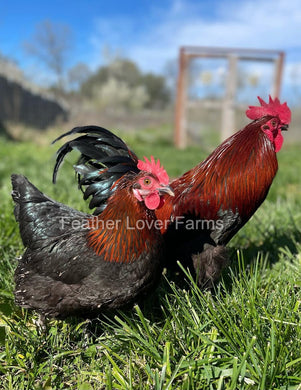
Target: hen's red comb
{"type": "Point", "coordinates": [154, 168]}
{"type": "Point", "coordinates": [273, 108]}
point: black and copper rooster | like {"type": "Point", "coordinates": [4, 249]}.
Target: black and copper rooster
{"type": "Point", "coordinates": [215, 199]}
{"type": "Point", "coordinates": [79, 264]}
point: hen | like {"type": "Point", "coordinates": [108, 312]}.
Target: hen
{"type": "Point", "coordinates": [78, 264]}
{"type": "Point", "coordinates": [217, 197]}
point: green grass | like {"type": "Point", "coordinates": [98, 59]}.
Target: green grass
{"type": "Point", "coordinates": [247, 335]}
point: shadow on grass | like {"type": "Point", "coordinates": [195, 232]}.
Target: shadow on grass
{"type": "Point", "coordinates": [269, 246]}
{"type": "Point", "coordinates": [268, 249]}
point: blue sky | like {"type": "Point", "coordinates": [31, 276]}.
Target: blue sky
{"type": "Point", "coordinates": [150, 32]}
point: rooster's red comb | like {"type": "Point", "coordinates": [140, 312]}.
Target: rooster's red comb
{"type": "Point", "coordinates": [154, 168]}
{"type": "Point", "coordinates": [273, 108]}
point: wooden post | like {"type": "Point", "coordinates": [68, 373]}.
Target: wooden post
{"type": "Point", "coordinates": [228, 107]}
{"type": "Point", "coordinates": [277, 76]}
{"type": "Point", "coordinates": [180, 114]}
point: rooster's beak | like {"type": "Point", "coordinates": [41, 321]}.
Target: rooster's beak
{"type": "Point", "coordinates": [284, 127]}
{"type": "Point", "coordinates": [166, 190]}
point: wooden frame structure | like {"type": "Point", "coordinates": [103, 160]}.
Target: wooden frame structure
{"type": "Point", "coordinates": [227, 105]}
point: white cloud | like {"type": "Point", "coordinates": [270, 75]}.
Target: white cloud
{"type": "Point", "coordinates": [151, 42]}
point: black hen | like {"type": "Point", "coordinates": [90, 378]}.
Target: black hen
{"type": "Point", "coordinates": [75, 263]}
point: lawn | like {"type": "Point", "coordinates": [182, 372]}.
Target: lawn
{"type": "Point", "coordinates": [244, 335]}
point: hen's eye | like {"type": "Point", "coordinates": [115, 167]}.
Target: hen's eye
{"type": "Point", "coordinates": [147, 181]}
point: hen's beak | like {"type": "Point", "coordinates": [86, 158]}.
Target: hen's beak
{"type": "Point", "coordinates": [284, 127]}
{"type": "Point", "coordinates": [166, 190]}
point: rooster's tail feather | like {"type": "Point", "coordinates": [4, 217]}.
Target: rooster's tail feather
{"type": "Point", "coordinates": [104, 159]}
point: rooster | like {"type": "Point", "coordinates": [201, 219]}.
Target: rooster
{"type": "Point", "coordinates": [79, 264]}
{"type": "Point", "coordinates": [215, 199]}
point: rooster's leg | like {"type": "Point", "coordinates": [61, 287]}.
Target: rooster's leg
{"type": "Point", "coordinates": [209, 264]}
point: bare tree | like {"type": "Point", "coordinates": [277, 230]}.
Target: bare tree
{"type": "Point", "coordinates": [50, 44]}
{"type": "Point", "coordinates": [78, 74]}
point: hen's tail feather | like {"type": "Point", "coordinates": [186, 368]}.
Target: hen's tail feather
{"type": "Point", "coordinates": [104, 159]}
{"type": "Point", "coordinates": [24, 191]}
{"type": "Point", "coordinates": [29, 202]}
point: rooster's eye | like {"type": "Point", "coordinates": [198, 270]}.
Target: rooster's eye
{"type": "Point", "coordinates": [274, 123]}
{"type": "Point", "coordinates": [147, 181]}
